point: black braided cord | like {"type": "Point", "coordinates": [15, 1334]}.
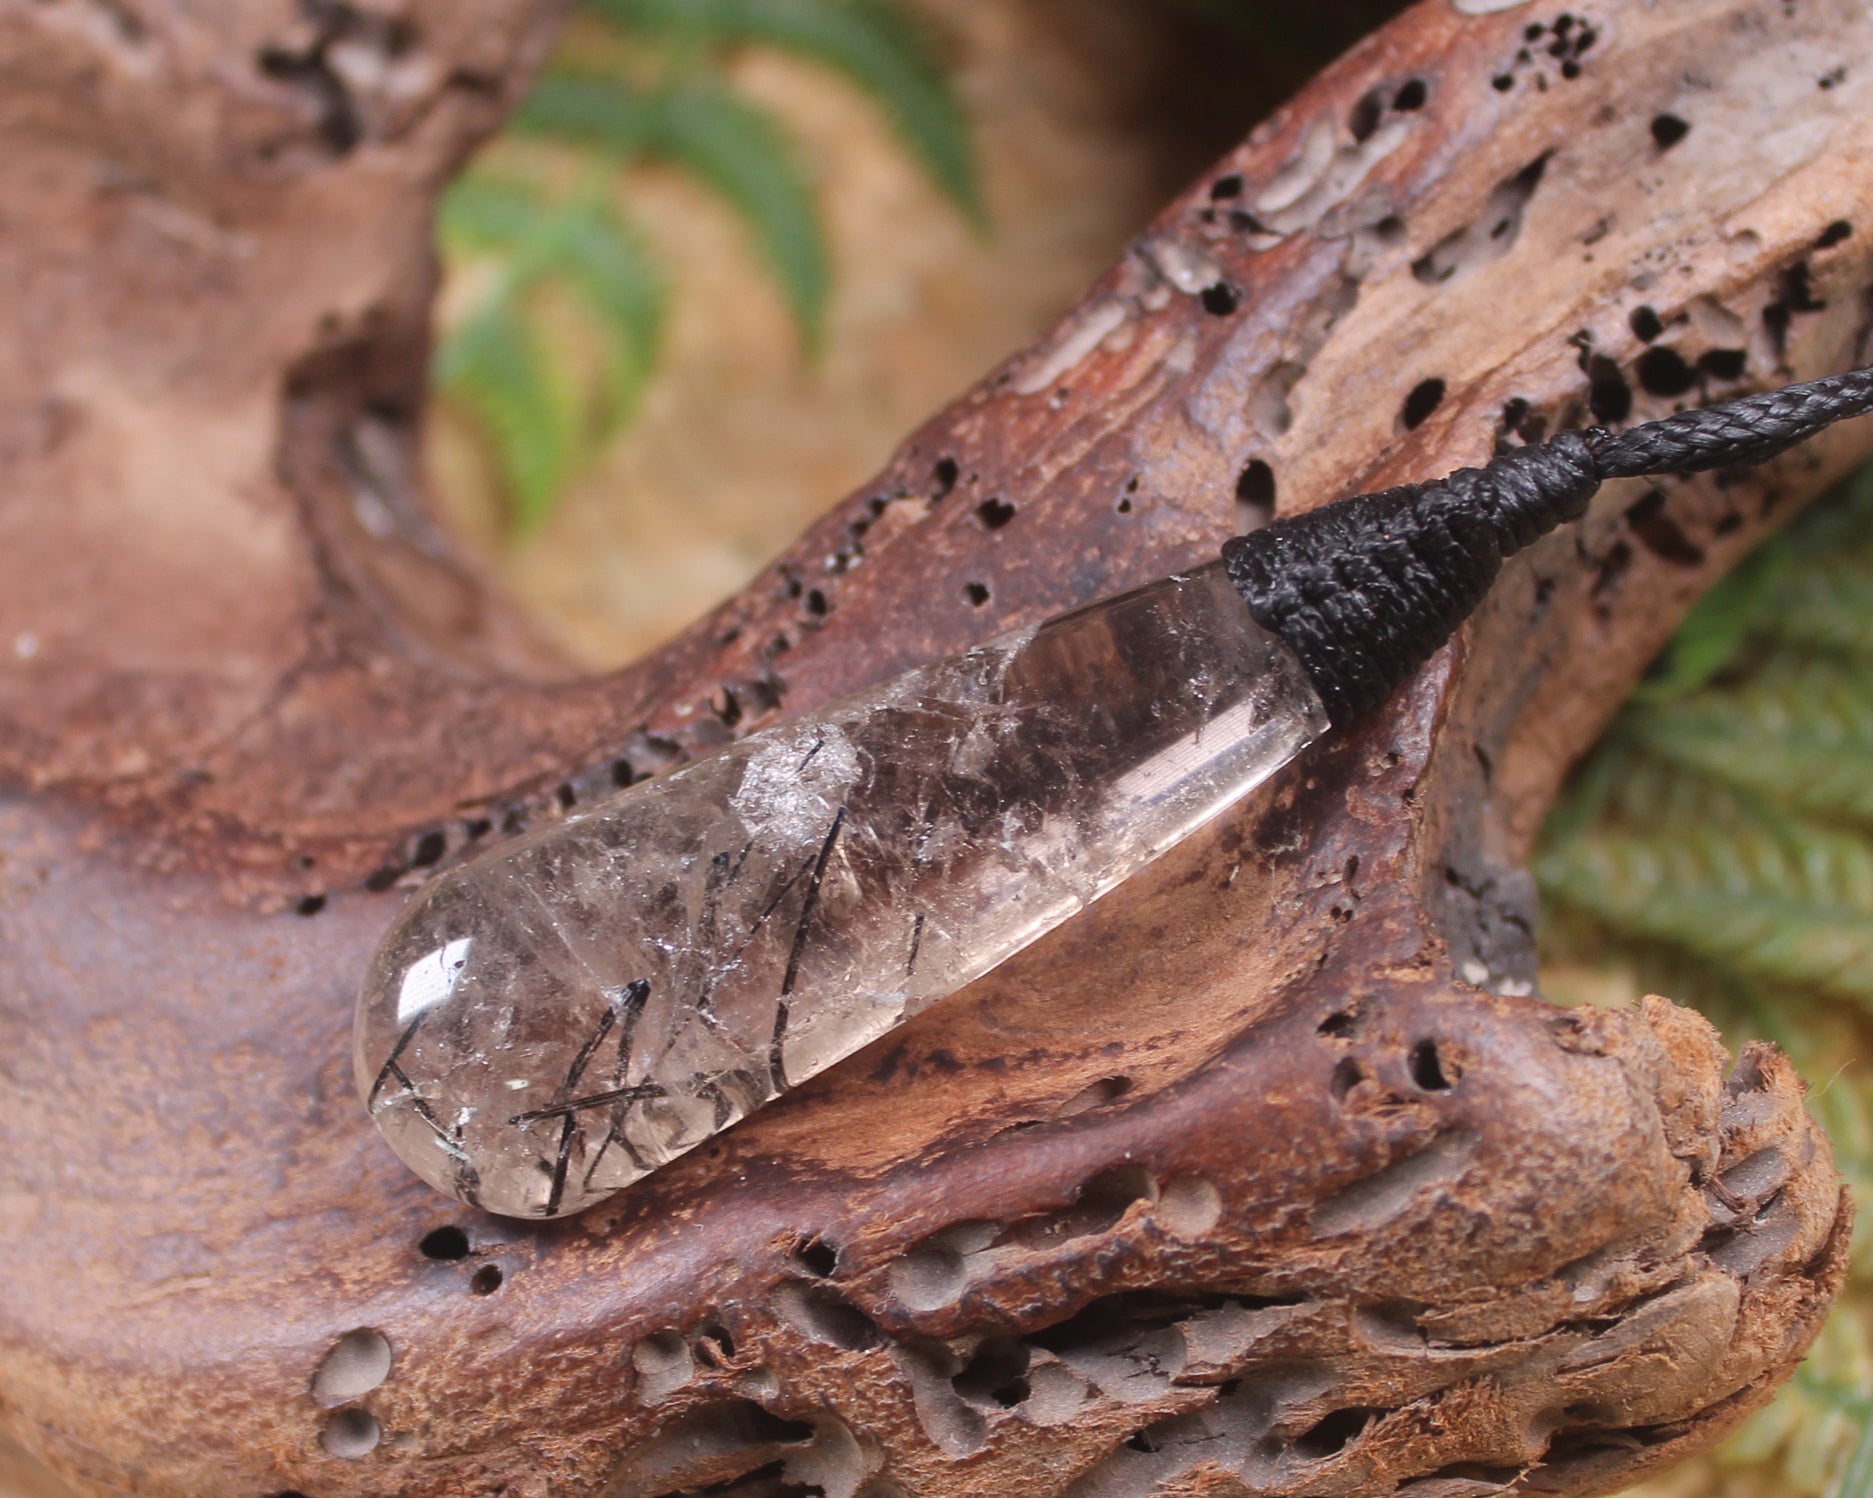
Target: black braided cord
{"type": "Point", "coordinates": [1365, 589]}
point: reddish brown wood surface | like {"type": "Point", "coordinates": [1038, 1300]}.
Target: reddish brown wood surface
{"type": "Point", "coordinates": [1265, 1175]}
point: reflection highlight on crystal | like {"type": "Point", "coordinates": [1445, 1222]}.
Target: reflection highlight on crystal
{"type": "Point", "coordinates": [429, 980]}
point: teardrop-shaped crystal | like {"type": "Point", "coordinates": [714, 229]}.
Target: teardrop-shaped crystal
{"type": "Point", "coordinates": [556, 1018]}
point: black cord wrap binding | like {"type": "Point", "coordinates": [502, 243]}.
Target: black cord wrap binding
{"type": "Point", "coordinates": [1365, 589]}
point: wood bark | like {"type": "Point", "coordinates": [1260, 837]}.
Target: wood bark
{"type": "Point", "coordinates": [1268, 1174]}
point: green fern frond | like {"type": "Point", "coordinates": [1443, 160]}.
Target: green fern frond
{"type": "Point", "coordinates": [1856, 1476]}
{"type": "Point", "coordinates": [745, 155]}
{"type": "Point", "coordinates": [1841, 526]}
{"type": "Point", "coordinates": [1800, 732]}
{"type": "Point", "coordinates": [542, 421]}
{"type": "Point", "coordinates": [492, 364]}
{"type": "Point", "coordinates": [1719, 845]}
{"type": "Point", "coordinates": [1816, 1425]}
{"type": "Point", "coordinates": [1810, 590]}
{"type": "Point", "coordinates": [1789, 942]}
{"type": "Point", "coordinates": [1713, 632]}
{"type": "Point", "coordinates": [1731, 881]}
{"type": "Point", "coordinates": [738, 149]}
{"type": "Point", "coordinates": [576, 304]}
{"type": "Point", "coordinates": [616, 278]}
{"type": "Point", "coordinates": [875, 44]}
{"type": "Point", "coordinates": [607, 112]}
{"type": "Point", "coordinates": [482, 211]}
{"type": "Point", "coordinates": [1825, 603]}
{"type": "Point", "coordinates": [1844, 1105]}
{"type": "Point", "coordinates": [1832, 611]}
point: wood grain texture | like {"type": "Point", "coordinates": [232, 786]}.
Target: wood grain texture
{"type": "Point", "coordinates": [1266, 1175]}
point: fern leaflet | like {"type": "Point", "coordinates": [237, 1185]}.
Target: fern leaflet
{"type": "Point", "coordinates": [876, 45]}
{"type": "Point", "coordinates": [738, 149]}
{"type": "Point", "coordinates": [540, 419]}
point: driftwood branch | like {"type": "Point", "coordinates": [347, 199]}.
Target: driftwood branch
{"type": "Point", "coordinates": [1266, 1175]}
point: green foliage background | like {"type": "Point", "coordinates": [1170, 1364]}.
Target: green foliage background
{"type": "Point", "coordinates": [551, 353]}
{"type": "Point", "coordinates": [1719, 846]}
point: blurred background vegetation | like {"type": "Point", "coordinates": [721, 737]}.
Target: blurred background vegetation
{"type": "Point", "coordinates": [1717, 847]}
{"type": "Point", "coordinates": [731, 250]}
{"type": "Point", "coordinates": [551, 345]}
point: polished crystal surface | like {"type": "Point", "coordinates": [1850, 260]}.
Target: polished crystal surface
{"type": "Point", "coordinates": [560, 1016]}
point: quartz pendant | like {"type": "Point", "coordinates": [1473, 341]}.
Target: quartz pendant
{"type": "Point", "coordinates": [563, 1014]}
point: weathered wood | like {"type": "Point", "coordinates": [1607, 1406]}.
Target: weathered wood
{"type": "Point", "coordinates": [1260, 1176]}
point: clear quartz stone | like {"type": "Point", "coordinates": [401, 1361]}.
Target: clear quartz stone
{"type": "Point", "coordinates": [556, 1018]}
